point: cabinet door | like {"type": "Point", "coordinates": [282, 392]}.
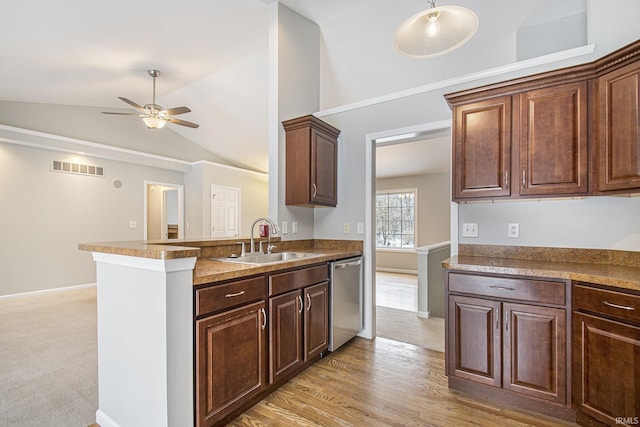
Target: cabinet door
{"type": "Point", "coordinates": [606, 357]}
{"type": "Point", "coordinates": [554, 140]}
{"type": "Point", "coordinates": [534, 356]}
{"type": "Point", "coordinates": [316, 320]}
{"type": "Point", "coordinates": [474, 340]}
{"type": "Point", "coordinates": [619, 129]}
{"type": "Point", "coordinates": [482, 149]}
{"type": "Point", "coordinates": [230, 361]}
{"type": "Point", "coordinates": [285, 332]}
{"type": "Point", "coordinates": [323, 168]}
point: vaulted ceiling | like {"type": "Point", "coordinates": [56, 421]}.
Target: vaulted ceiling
{"type": "Point", "coordinates": [213, 56]}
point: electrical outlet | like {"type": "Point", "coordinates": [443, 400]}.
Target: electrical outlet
{"type": "Point", "coordinates": [294, 227]}
{"type": "Point", "coordinates": [347, 228]}
{"type": "Point", "coordinates": [285, 227]}
{"type": "Point", "coordinates": [360, 228]}
{"type": "Point", "coordinates": [514, 230]}
{"type": "Point", "coordinates": [469, 230]}
{"type": "Point", "coordinates": [133, 224]}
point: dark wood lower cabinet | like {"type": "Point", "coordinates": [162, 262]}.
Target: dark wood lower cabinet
{"type": "Point", "coordinates": [504, 347]}
{"type": "Point", "coordinates": [606, 357]}
{"type": "Point", "coordinates": [230, 361]}
{"type": "Point", "coordinates": [254, 334]}
{"type": "Point", "coordinates": [299, 330]}
{"type": "Point", "coordinates": [285, 334]}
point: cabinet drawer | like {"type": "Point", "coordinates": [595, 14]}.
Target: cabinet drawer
{"type": "Point", "coordinates": [610, 303]}
{"type": "Point", "coordinates": [547, 292]}
{"type": "Point", "coordinates": [283, 282]}
{"type": "Point", "coordinates": [218, 297]}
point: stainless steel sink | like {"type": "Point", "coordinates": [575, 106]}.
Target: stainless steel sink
{"type": "Point", "coordinates": [268, 258]}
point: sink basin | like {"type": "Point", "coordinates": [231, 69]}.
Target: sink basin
{"type": "Point", "coordinates": [269, 258]}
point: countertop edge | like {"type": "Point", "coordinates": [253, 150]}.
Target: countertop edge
{"type": "Point", "coordinates": [607, 275]}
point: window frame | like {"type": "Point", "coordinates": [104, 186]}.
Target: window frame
{"type": "Point", "coordinates": [415, 220]}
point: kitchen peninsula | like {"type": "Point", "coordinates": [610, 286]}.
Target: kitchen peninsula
{"type": "Point", "coordinates": [158, 301]}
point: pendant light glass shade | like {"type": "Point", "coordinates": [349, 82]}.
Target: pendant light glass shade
{"type": "Point", "coordinates": [435, 31]}
{"type": "Point", "coordinates": [154, 122]}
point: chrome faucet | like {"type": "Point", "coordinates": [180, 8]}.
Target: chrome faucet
{"type": "Point", "coordinates": [273, 227]}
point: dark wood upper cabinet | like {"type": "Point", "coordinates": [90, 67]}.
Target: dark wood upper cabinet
{"type": "Point", "coordinates": [619, 130]}
{"type": "Point", "coordinates": [482, 148]}
{"type": "Point", "coordinates": [554, 140]}
{"type": "Point", "coordinates": [568, 132]}
{"type": "Point", "coordinates": [311, 162]}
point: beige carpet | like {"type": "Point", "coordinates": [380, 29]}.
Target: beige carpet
{"type": "Point", "coordinates": [405, 326]}
{"type": "Point", "coordinates": [48, 360]}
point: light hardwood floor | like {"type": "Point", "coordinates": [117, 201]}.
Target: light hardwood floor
{"type": "Point", "coordinates": [380, 383]}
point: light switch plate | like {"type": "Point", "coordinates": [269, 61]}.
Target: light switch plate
{"type": "Point", "coordinates": [294, 227]}
{"type": "Point", "coordinates": [360, 228]}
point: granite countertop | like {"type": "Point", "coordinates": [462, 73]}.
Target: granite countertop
{"type": "Point", "coordinates": [617, 269]}
{"type": "Point", "coordinates": [207, 271]}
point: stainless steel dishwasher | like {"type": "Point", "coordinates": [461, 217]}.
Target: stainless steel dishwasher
{"type": "Point", "coordinates": [345, 310]}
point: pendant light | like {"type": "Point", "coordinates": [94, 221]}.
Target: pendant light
{"type": "Point", "coordinates": [435, 31]}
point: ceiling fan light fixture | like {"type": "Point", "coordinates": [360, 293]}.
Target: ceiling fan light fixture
{"type": "Point", "coordinates": [154, 122]}
{"type": "Point", "coordinates": [435, 31]}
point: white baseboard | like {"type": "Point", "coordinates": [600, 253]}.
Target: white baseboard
{"type": "Point", "coordinates": [424, 314]}
{"type": "Point", "coordinates": [47, 291]}
{"type": "Point", "coordinates": [104, 420]}
{"type": "Point", "coordinates": [396, 270]}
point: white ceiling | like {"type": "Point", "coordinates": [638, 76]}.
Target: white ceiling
{"type": "Point", "coordinates": [212, 55]}
{"type": "Point", "coordinates": [425, 156]}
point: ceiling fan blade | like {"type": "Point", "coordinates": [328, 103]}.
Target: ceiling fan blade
{"type": "Point", "coordinates": [123, 114]}
{"type": "Point", "coordinates": [176, 111]}
{"type": "Point", "coordinates": [181, 122]}
{"type": "Point", "coordinates": [130, 102]}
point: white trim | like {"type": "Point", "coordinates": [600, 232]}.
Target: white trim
{"type": "Point", "coordinates": [491, 72]}
{"type": "Point", "coordinates": [154, 159]}
{"type": "Point", "coordinates": [424, 250]}
{"type": "Point", "coordinates": [164, 265]}
{"type": "Point", "coordinates": [396, 270]}
{"type": "Point", "coordinates": [180, 188]}
{"type": "Point", "coordinates": [397, 250]}
{"type": "Point", "coordinates": [47, 291]}
{"type": "Point", "coordinates": [104, 420]}
{"type": "Point", "coordinates": [235, 168]}
{"type": "Point", "coordinates": [369, 330]}
{"type": "Point", "coordinates": [423, 314]}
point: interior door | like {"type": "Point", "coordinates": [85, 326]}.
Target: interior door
{"type": "Point", "coordinates": [225, 211]}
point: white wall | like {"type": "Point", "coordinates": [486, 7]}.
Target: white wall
{"type": "Point", "coordinates": [605, 222]}
{"type": "Point", "coordinates": [298, 53]}
{"type": "Point", "coordinates": [614, 32]}
{"type": "Point", "coordinates": [45, 215]}
{"type": "Point", "coordinates": [254, 189]}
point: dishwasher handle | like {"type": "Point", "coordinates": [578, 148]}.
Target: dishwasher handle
{"type": "Point", "coordinates": [348, 264]}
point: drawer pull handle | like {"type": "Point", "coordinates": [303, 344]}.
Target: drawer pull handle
{"type": "Point", "coordinates": [504, 288]}
{"type": "Point", "coordinates": [237, 294]}
{"type": "Point", "coordinates": [622, 307]}
{"type": "Point", "coordinates": [264, 318]}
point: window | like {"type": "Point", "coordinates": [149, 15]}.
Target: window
{"type": "Point", "coordinates": [395, 219]}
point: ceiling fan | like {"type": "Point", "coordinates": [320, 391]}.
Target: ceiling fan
{"type": "Point", "coordinates": [153, 115]}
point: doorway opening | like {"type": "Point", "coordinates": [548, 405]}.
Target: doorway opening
{"type": "Point", "coordinates": [163, 211]}
{"type": "Point", "coordinates": [419, 159]}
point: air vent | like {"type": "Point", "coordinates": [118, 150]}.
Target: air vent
{"type": "Point", "coordinates": [76, 168]}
